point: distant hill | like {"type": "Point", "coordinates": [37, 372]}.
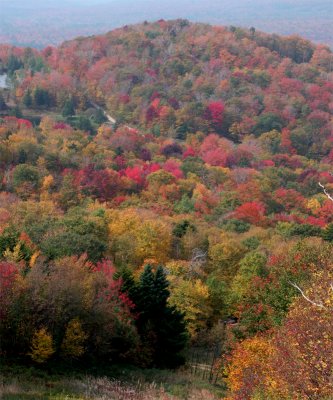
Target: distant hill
{"type": "Point", "coordinates": [177, 78]}
{"type": "Point", "coordinates": [37, 24]}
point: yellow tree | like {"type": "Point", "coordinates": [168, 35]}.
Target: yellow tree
{"type": "Point", "coordinates": [41, 346]}
{"type": "Point", "coordinates": [191, 298]}
{"type": "Point", "coordinates": [249, 373]}
{"type": "Point", "coordinates": [137, 235]}
{"type": "Point", "coordinates": [304, 360]}
{"type": "Point", "coordinates": [224, 257]}
{"type": "Point", "coordinates": [73, 343]}
{"type": "Point", "coordinates": [153, 238]}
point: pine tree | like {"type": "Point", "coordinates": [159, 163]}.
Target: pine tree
{"type": "Point", "coordinates": [159, 324]}
{"type": "Point", "coordinates": [16, 112]}
{"type": "Point", "coordinates": [3, 105]}
{"type": "Point", "coordinates": [68, 108]}
{"type": "Point", "coordinates": [328, 233]}
{"type": "Point", "coordinates": [99, 117]}
{"type": "Point", "coordinates": [27, 99]}
{"type": "Point", "coordinates": [128, 284]}
{"type": "Point", "coordinates": [41, 97]}
{"type": "Point", "coordinates": [13, 64]}
{"type": "Point", "coordinates": [161, 287]}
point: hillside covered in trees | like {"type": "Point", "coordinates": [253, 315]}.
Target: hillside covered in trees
{"type": "Point", "coordinates": [202, 216]}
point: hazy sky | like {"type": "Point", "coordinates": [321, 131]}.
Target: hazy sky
{"type": "Point", "coordinates": [57, 20]}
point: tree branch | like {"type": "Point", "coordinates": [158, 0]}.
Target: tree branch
{"type": "Point", "coordinates": [321, 305]}
{"type": "Point", "coordinates": [326, 192]}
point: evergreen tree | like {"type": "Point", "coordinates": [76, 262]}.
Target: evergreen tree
{"type": "Point", "coordinates": [328, 233]}
{"type": "Point", "coordinates": [83, 123]}
{"type": "Point", "coordinates": [99, 117]}
{"type": "Point", "coordinates": [161, 327]}
{"type": "Point", "coordinates": [41, 97]}
{"type": "Point", "coordinates": [128, 284]}
{"type": "Point", "coordinates": [3, 105]}
{"type": "Point", "coordinates": [16, 112]}
{"type": "Point", "coordinates": [68, 108]}
{"type": "Point", "coordinates": [13, 64]}
{"type": "Point", "coordinates": [27, 99]}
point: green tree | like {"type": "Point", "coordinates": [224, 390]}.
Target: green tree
{"type": "Point", "coordinates": [161, 326]}
{"type": "Point", "coordinates": [27, 99]}
{"type": "Point", "coordinates": [25, 180]}
{"type": "Point", "coordinates": [3, 105]}
{"type": "Point", "coordinates": [328, 233]}
{"type": "Point", "coordinates": [13, 64]}
{"type": "Point", "coordinates": [74, 235]}
{"type": "Point", "coordinates": [184, 205]}
{"type": "Point", "coordinates": [15, 112]}
{"type": "Point", "coordinates": [41, 97]}
{"type": "Point", "coordinates": [84, 124]}
{"type": "Point", "coordinates": [68, 108]}
{"type": "Point", "coordinates": [99, 117]}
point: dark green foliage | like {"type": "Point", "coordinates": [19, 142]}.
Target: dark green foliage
{"type": "Point", "coordinates": [128, 283]}
{"type": "Point", "coordinates": [3, 105]}
{"type": "Point", "coordinates": [83, 123]}
{"type": "Point", "coordinates": [99, 117]}
{"type": "Point", "coordinates": [69, 243]}
{"type": "Point", "coordinates": [68, 108]}
{"type": "Point", "coordinates": [9, 239]}
{"type": "Point", "coordinates": [229, 201]}
{"type": "Point", "coordinates": [251, 243]}
{"type": "Point", "coordinates": [302, 139]}
{"type": "Point", "coordinates": [36, 64]}
{"type": "Point", "coordinates": [218, 294]}
{"type": "Point", "coordinates": [182, 227]}
{"type": "Point", "coordinates": [25, 173]}
{"type": "Point", "coordinates": [306, 230]}
{"type": "Point", "coordinates": [194, 165]}
{"type": "Point", "coordinates": [160, 326]}
{"type": "Point", "coordinates": [75, 235]}
{"type": "Point", "coordinates": [68, 196]}
{"type": "Point", "coordinates": [236, 225]}
{"type": "Point", "coordinates": [42, 98]}
{"type": "Point", "coordinates": [13, 64]}
{"type": "Point", "coordinates": [15, 112]}
{"type": "Point", "coordinates": [328, 233]}
{"type": "Point", "coordinates": [184, 205]}
{"type": "Point", "coordinates": [267, 122]}
{"type": "Point", "coordinates": [27, 99]}
{"type": "Point", "coordinates": [152, 34]}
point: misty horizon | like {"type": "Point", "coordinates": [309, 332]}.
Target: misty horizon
{"type": "Point", "coordinates": [58, 21]}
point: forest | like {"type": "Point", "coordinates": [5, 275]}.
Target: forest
{"type": "Point", "coordinates": [200, 215]}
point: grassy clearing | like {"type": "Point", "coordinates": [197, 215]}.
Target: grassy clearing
{"type": "Point", "coordinates": [125, 384]}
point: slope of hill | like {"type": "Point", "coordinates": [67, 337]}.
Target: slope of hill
{"type": "Point", "coordinates": [177, 78]}
{"type": "Point", "coordinates": [203, 215]}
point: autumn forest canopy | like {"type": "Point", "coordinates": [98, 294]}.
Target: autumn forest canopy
{"type": "Point", "coordinates": [168, 185]}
